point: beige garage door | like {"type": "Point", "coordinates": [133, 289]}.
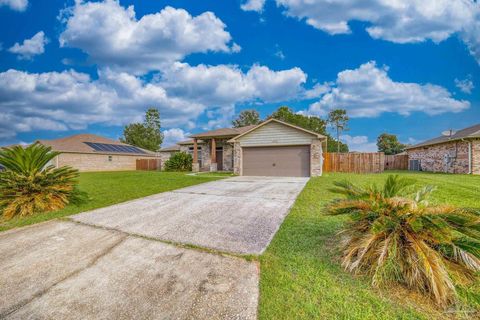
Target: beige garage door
{"type": "Point", "coordinates": [291, 161]}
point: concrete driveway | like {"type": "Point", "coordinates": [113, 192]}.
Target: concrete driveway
{"type": "Point", "coordinates": [118, 270]}
{"type": "Point", "coordinates": [237, 215]}
{"type": "Point", "coordinates": [65, 270]}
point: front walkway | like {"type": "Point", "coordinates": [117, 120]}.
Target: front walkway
{"type": "Point", "coordinates": [72, 270]}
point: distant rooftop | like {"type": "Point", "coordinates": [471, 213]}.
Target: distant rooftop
{"type": "Point", "coordinates": [91, 143]}
{"type": "Point", "coordinates": [470, 132]}
{"type": "Point", "coordinates": [223, 132]}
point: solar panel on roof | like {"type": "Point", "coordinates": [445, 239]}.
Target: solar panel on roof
{"type": "Point", "coordinates": [114, 148]}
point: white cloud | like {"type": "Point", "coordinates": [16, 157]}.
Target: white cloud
{"type": "Point", "coordinates": [174, 135]}
{"type": "Point", "coordinates": [406, 21]}
{"type": "Point", "coordinates": [359, 143]}
{"type": "Point", "coordinates": [471, 34]}
{"type": "Point", "coordinates": [17, 5]}
{"type": "Point", "coordinates": [71, 100]}
{"type": "Point", "coordinates": [368, 91]}
{"type": "Point", "coordinates": [113, 37]}
{"type": "Point", "coordinates": [465, 85]}
{"type": "Point", "coordinates": [317, 91]}
{"type": "Point", "coordinates": [30, 47]}
{"type": "Point", "coordinates": [225, 85]}
{"type": "Point", "coordinates": [253, 5]}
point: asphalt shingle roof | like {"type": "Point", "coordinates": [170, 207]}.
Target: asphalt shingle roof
{"type": "Point", "coordinates": [76, 143]}
{"type": "Point", "coordinates": [223, 132]}
{"type": "Point", "coordinates": [470, 132]}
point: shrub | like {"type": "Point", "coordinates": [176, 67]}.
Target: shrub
{"type": "Point", "coordinates": [395, 236]}
{"type": "Point", "coordinates": [179, 161]}
{"type": "Point", "coordinates": [29, 185]}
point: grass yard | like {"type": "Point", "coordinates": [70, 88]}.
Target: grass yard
{"type": "Point", "coordinates": [107, 188]}
{"type": "Point", "coordinates": [301, 276]}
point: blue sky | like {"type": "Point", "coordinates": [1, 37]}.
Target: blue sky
{"type": "Point", "coordinates": [410, 68]}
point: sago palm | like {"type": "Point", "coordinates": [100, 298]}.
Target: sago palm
{"type": "Point", "coordinates": [398, 236]}
{"type": "Point", "coordinates": [29, 185]}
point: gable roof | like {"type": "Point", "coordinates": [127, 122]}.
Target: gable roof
{"type": "Point", "coordinates": [319, 136]}
{"type": "Point", "coordinates": [77, 144]}
{"type": "Point", "coordinates": [173, 148]}
{"type": "Point", "coordinates": [467, 133]}
{"type": "Point", "coordinates": [223, 132]}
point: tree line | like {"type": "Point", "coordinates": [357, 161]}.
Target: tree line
{"type": "Point", "coordinates": [148, 135]}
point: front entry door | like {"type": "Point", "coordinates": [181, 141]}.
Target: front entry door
{"type": "Point", "coordinates": [219, 155]}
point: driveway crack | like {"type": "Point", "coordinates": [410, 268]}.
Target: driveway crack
{"type": "Point", "coordinates": [68, 276]}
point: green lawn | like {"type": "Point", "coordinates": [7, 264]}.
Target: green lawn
{"type": "Point", "coordinates": [301, 277]}
{"type": "Point", "coordinates": [107, 188]}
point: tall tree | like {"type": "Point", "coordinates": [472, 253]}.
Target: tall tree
{"type": "Point", "coordinates": [146, 135]}
{"type": "Point", "coordinates": [338, 119]}
{"type": "Point", "coordinates": [246, 118]}
{"type": "Point", "coordinates": [311, 123]}
{"type": "Point", "coordinates": [389, 144]}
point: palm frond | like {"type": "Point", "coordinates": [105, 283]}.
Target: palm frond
{"type": "Point", "coordinates": [30, 185]}
{"type": "Point", "coordinates": [395, 235]}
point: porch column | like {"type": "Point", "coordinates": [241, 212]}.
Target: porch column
{"type": "Point", "coordinates": [213, 156]}
{"type": "Point", "coordinates": [195, 165]}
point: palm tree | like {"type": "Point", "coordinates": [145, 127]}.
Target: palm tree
{"type": "Point", "coordinates": [30, 185]}
{"type": "Point", "coordinates": [398, 238]}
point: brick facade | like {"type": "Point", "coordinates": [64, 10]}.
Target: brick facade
{"type": "Point", "coordinates": [476, 156]}
{"type": "Point", "coordinates": [237, 159]}
{"type": "Point", "coordinates": [227, 157]}
{"type": "Point", "coordinates": [450, 157]}
{"type": "Point", "coordinates": [97, 162]}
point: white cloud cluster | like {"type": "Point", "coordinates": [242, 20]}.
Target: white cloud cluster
{"type": "Point", "coordinates": [71, 100]}
{"type": "Point", "coordinates": [30, 47]}
{"type": "Point", "coordinates": [225, 85]}
{"type": "Point", "coordinates": [359, 143]}
{"type": "Point", "coordinates": [465, 85]}
{"type": "Point", "coordinates": [111, 35]}
{"type": "Point", "coordinates": [405, 21]}
{"type": "Point", "coordinates": [253, 5]}
{"type": "Point", "coordinates": [368, 91]}
{"type": "Point", "coordinates": [17, 5]}
{"type": "Point", "coordinates": [174, 135]}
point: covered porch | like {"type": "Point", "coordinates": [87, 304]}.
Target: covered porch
{"type": "Point", "coordinates": [215, 154]}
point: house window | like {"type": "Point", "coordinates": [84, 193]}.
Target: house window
{"type": "Point", "coordinates": [110, 158]}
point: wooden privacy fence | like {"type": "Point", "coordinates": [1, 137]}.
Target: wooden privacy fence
{"type": "Point", "coordinates": [396, 162]}
{"type": "Point", "coordinates": [372, 162]}
{"type": "Point", "coordinates": [148, 164]}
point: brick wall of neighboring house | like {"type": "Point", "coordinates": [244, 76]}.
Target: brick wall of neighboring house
{"type": "Point", "coordinates": [96, 162]}
{"type": "Point", "coordinates": [434, 158]}
{"type": "Point", "coordinates": [476, 156]}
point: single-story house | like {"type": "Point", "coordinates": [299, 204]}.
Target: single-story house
{"type": "Point", "coordinates": [89, 152]}
{"type": "Point", "coordinates": [272, 148]}
{"type": "Point", "coordinates": [457, 153]}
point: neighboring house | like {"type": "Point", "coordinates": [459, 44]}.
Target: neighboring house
{"type": "Point", "coordinates": [272, 148]}
{"type": "Point", "coordinates": [459, 153]}
{"type": "Point", "coordinates": [89, 152]}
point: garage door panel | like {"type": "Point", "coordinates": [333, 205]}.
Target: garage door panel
{"type": "Point", "coordinates": [293, 161]}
